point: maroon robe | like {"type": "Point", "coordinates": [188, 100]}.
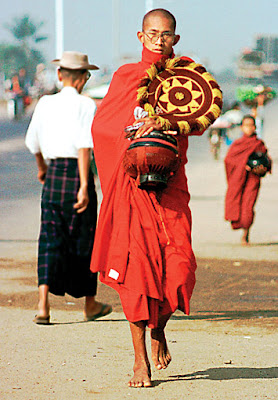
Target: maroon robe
{"type": "Point", "coordinates": [243, 186]}
{"type": "Point", "coordinates": [142, 245]}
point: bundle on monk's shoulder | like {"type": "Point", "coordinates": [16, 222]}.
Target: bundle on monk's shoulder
{"type": "Point", "coordinates": [183, 97]}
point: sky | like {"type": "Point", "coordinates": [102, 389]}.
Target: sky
{"type": "Point", "coordinates": [213, 32]}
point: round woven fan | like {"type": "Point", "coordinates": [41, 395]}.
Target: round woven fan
{"type": "Point", "coordinates": [181, 95]}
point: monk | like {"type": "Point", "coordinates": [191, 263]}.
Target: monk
{"type": "Point", "coordinates": [142, 246]}
{"type": "Point", "coordinates": [243, 184]}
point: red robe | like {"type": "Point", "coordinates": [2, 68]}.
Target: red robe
{"type": "Point", "coordinates": [142, 245]}
{"type": "Point", "coordinates": [243, 186]}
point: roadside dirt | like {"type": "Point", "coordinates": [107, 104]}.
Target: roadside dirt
{"type": "Point", "coordinates": [225, 290]}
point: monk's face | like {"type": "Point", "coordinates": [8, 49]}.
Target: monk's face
{"type": "Point", "coordinates": [158, 35]}
{"type": "Point", "coordinates": [248, 127]}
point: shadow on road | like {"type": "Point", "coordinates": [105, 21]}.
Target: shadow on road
{"type": "Point", "coordinates": [264, 244]}
{"type": "Point", "coordinates": [228, 373]}
{"type": "Point", "coordinates": [227, 315]}
{"type": "Point", "coordinates": [85, 322]}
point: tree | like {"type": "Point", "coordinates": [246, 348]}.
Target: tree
{"type": "Point", "coordinates": [24, 29]}
{"type": "Point", "coordinates": [12, 59]}
{"type": "Point", "coordinates": [24, 54]}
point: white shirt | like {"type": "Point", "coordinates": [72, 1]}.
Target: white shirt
{"type": "Point", "coordinates": [234, 116]}
{"type": "Point", "coordinates": [61, 125]}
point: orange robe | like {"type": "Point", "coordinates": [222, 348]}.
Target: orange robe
{"type": "Point", "coordinates": [142, 245]}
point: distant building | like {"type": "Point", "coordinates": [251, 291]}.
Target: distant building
{"type": "Point", "coordinates": [260, 62]}
{"type": "Point", "coordinates": [249, 65]}
{"type": "Point", "coordinates": [268, 45]}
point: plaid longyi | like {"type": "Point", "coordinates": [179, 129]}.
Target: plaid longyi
{"type": "Point", "coordinates": [66, 237]}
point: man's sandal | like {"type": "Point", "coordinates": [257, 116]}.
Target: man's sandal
{"type": "Point", "coordinates": [41, 320]}
{"type": "Point", "coordinates": [105, 310]}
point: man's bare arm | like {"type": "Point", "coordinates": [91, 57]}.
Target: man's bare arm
{"type": "Point", "coordinates": [42, 167]}
{"type": "Point", "coordinates": [84, 159]}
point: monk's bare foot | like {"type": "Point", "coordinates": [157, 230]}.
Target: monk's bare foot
{"type": "Point", "coordinates": [142, 375]}
{"type": "Point", "coordinates": [245, 238]}
{"type": "Point", "coordinates": [160, 353]}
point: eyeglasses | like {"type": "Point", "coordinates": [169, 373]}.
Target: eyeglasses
{"type": "Point", "coordinates": [88, 76]}
{"type": "Point", "coordinates": [165, 36]}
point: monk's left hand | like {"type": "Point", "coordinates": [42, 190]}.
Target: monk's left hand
{"type": "Point", "coordinates": [82, 200]}
{"type": "Point", "coordinates": [260, 170]}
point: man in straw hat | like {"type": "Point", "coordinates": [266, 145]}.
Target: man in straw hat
{"type": "Point", "coordinates": [59, 137]}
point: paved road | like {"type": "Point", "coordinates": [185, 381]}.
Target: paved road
{"type": "Point", "coordinates": [212, 236]}
{"type": "Point", "coordinates": [215, 355]}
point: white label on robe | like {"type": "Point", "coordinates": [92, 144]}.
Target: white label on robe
{"type": "Point", "coordinates": [113, 274]}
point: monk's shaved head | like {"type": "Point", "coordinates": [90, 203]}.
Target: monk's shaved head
{"type": "Point", "coordinates": [159, 12]}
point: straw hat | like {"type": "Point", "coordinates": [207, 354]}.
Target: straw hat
{"type": "Point", "coordinates": [74, 60]}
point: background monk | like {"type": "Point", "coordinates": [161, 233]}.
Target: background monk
{"type": "Point", "coordinates": [243, 184]}
{"type": "Point", "coordinates": [143, 242]}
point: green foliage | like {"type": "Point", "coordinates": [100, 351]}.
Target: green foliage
{"type": "Point", "coordinates": [24, 54]}
{"type": "Point", "coordinates": [23, 28]}
{"type": "Point", "coordinates": [12, 58]}
{"type": "Point", "coordinates": [248, 94]}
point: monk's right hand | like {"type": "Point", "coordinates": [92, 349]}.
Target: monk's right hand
{"type": "Point", "coordinates": [150, 125]}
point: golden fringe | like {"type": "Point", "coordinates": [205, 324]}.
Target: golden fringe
{"type": "Point", "coordinates": [217, 93]}
{"type": "Point", "coordinates": [149, 108]}
{"type": "Point", "coordinates": [204, 121]}
{"type": "Point", "coordinates": [159, 78]}
{"type": "Point", "coordinates": [194, 65]}
{"type": "Point", "coordinates": [142, 92]}
{"type": "Point", "coordinates": [184, 127]}
{"type": "Point", "coordinates": [215, 109]}
{"type": "Point", "coordinates": [208, 77]}
{"type": "Point", "coordinates": [165, 123]}
{"type": "Point", "coordinates": [171, 63]}
{"type": "Point", "coordinates": [152, 72]}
